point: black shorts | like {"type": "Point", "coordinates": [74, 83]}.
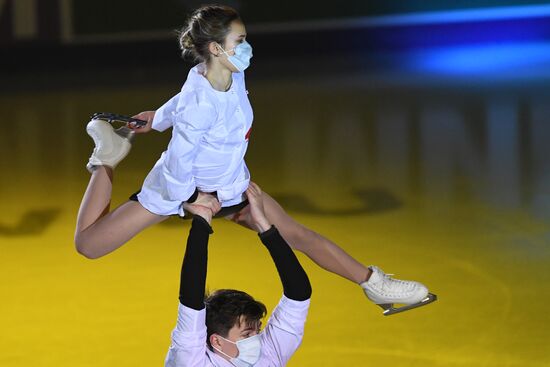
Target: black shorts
{"type": "Point", "coordinates": [224, 212]}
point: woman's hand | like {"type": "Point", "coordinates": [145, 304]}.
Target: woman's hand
{"type": "Point", "coordinates": [146, 116]}
{"type": "Point", "coordinates": [206, 206]}
{"type": "Point", "coordinates": [256, 214]}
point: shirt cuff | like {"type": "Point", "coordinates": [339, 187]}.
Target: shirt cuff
{"type": "Point", "coordinates": [190, 320]}
{"type": "Point", "coordinates": [290, 316]}
{"type": "Point", "coordinates": [292, 304]}
{"type": "Point", "coordinates": [160, 122]}
{"type": "Point", "coordinates": [164, 115]}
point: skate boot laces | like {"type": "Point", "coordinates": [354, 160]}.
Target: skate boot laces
{"type": "Point", "coordinates": [391, 287]}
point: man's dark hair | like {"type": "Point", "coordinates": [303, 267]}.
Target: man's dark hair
{"type": "Point", "coordinates": [227, 307]}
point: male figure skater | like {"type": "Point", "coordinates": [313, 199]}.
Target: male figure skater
{"type": "Point", "coordinates": [223, 330]}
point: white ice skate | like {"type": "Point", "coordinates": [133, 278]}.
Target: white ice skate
{"type": "Point", "coordinates": [386, 291]}
{"type": "Point", "coordinates": [111, 146]}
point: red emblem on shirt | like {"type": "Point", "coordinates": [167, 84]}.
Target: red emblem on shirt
{"type": "Point", "coordinates": [248, 134]}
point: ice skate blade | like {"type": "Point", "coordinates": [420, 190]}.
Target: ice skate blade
{"type": "Point", "coordinates": [389, 309]}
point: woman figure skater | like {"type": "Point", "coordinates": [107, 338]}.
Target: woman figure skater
{"type": "Point", "coordinates": [211, 120]}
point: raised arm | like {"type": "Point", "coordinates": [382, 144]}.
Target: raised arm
{"type": "Point", "coordinates": [188, 346]}
{"type": "Point", "coordinates": [285, 328]}
{"type": "Point", "coordinates": [296, 285]}
{"type": "Point", "coordinates": [193, 268]}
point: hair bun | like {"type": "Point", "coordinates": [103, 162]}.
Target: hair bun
{"type": "Point", "coordinates": [187, 40]}
{"type": "Point", "coordinates": [210, 23]}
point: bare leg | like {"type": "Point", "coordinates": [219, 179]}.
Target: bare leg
{"type": "Point", "coordinates": [98, 231]}
{"type": "Point", "coordinates": [318, 248]}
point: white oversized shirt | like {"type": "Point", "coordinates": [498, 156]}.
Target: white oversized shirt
{"type": "Point", "coordinates": [280, 338]}
{"type": "Point", "coordinates": [209, 141]}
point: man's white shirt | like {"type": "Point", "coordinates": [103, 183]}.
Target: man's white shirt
{"type": "Point", "coordinates": [210, 131]}
{"type": "Point", "coordinates": [280, 338]}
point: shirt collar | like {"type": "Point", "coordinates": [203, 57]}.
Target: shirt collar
{"type": "Point", "coordinates": [216, 359]}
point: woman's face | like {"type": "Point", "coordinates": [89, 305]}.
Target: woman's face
{"type": "Point", "coordinates": [236, 36]}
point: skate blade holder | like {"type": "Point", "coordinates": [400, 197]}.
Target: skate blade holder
{"type": "Point", "coordinates": [390, 309]}
{"type": "Point", "coordinates": [113, 117]}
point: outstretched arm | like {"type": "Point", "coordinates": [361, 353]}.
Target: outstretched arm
{"type": "Point", "coordinates": [295, 281]}
{"type": "Point", "coordinates": [285, 328]}
{"type": "Point", "coordinates": [193, 268]}
{"type": "Point", "coordinates": [145, 116]}
{"type": "Point", "coordinates": [159, 120]}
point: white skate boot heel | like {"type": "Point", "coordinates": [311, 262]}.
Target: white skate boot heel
{"type": "Point", "coordinates": [111, 146]}
{"type": "Point", "coordinates": [386, 292]}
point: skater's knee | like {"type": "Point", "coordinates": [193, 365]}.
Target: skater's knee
{"type": "Point", "coordinates": [85, 248]}
{"type": "Point", "coordinates": [87, 253]}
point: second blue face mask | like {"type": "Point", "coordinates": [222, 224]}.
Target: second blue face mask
{"type": "Point", "coordinates": [249, 349]}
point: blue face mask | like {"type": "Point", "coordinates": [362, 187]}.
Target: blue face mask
{"type": "Point", "coordinates": [249, 351]}
{"type": "Point", "coordinates": [242, 56]}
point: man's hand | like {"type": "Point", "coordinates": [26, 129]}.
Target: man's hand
{"type": "Point", "coordinates": [147, 116]}
{"type": "Point", "coordinates": [258, 220]}
{"type": "Point", "coordinates": [206, 206]}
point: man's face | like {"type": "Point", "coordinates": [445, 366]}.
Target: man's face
{"type": "Point", "coordinates": [241, 330]}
